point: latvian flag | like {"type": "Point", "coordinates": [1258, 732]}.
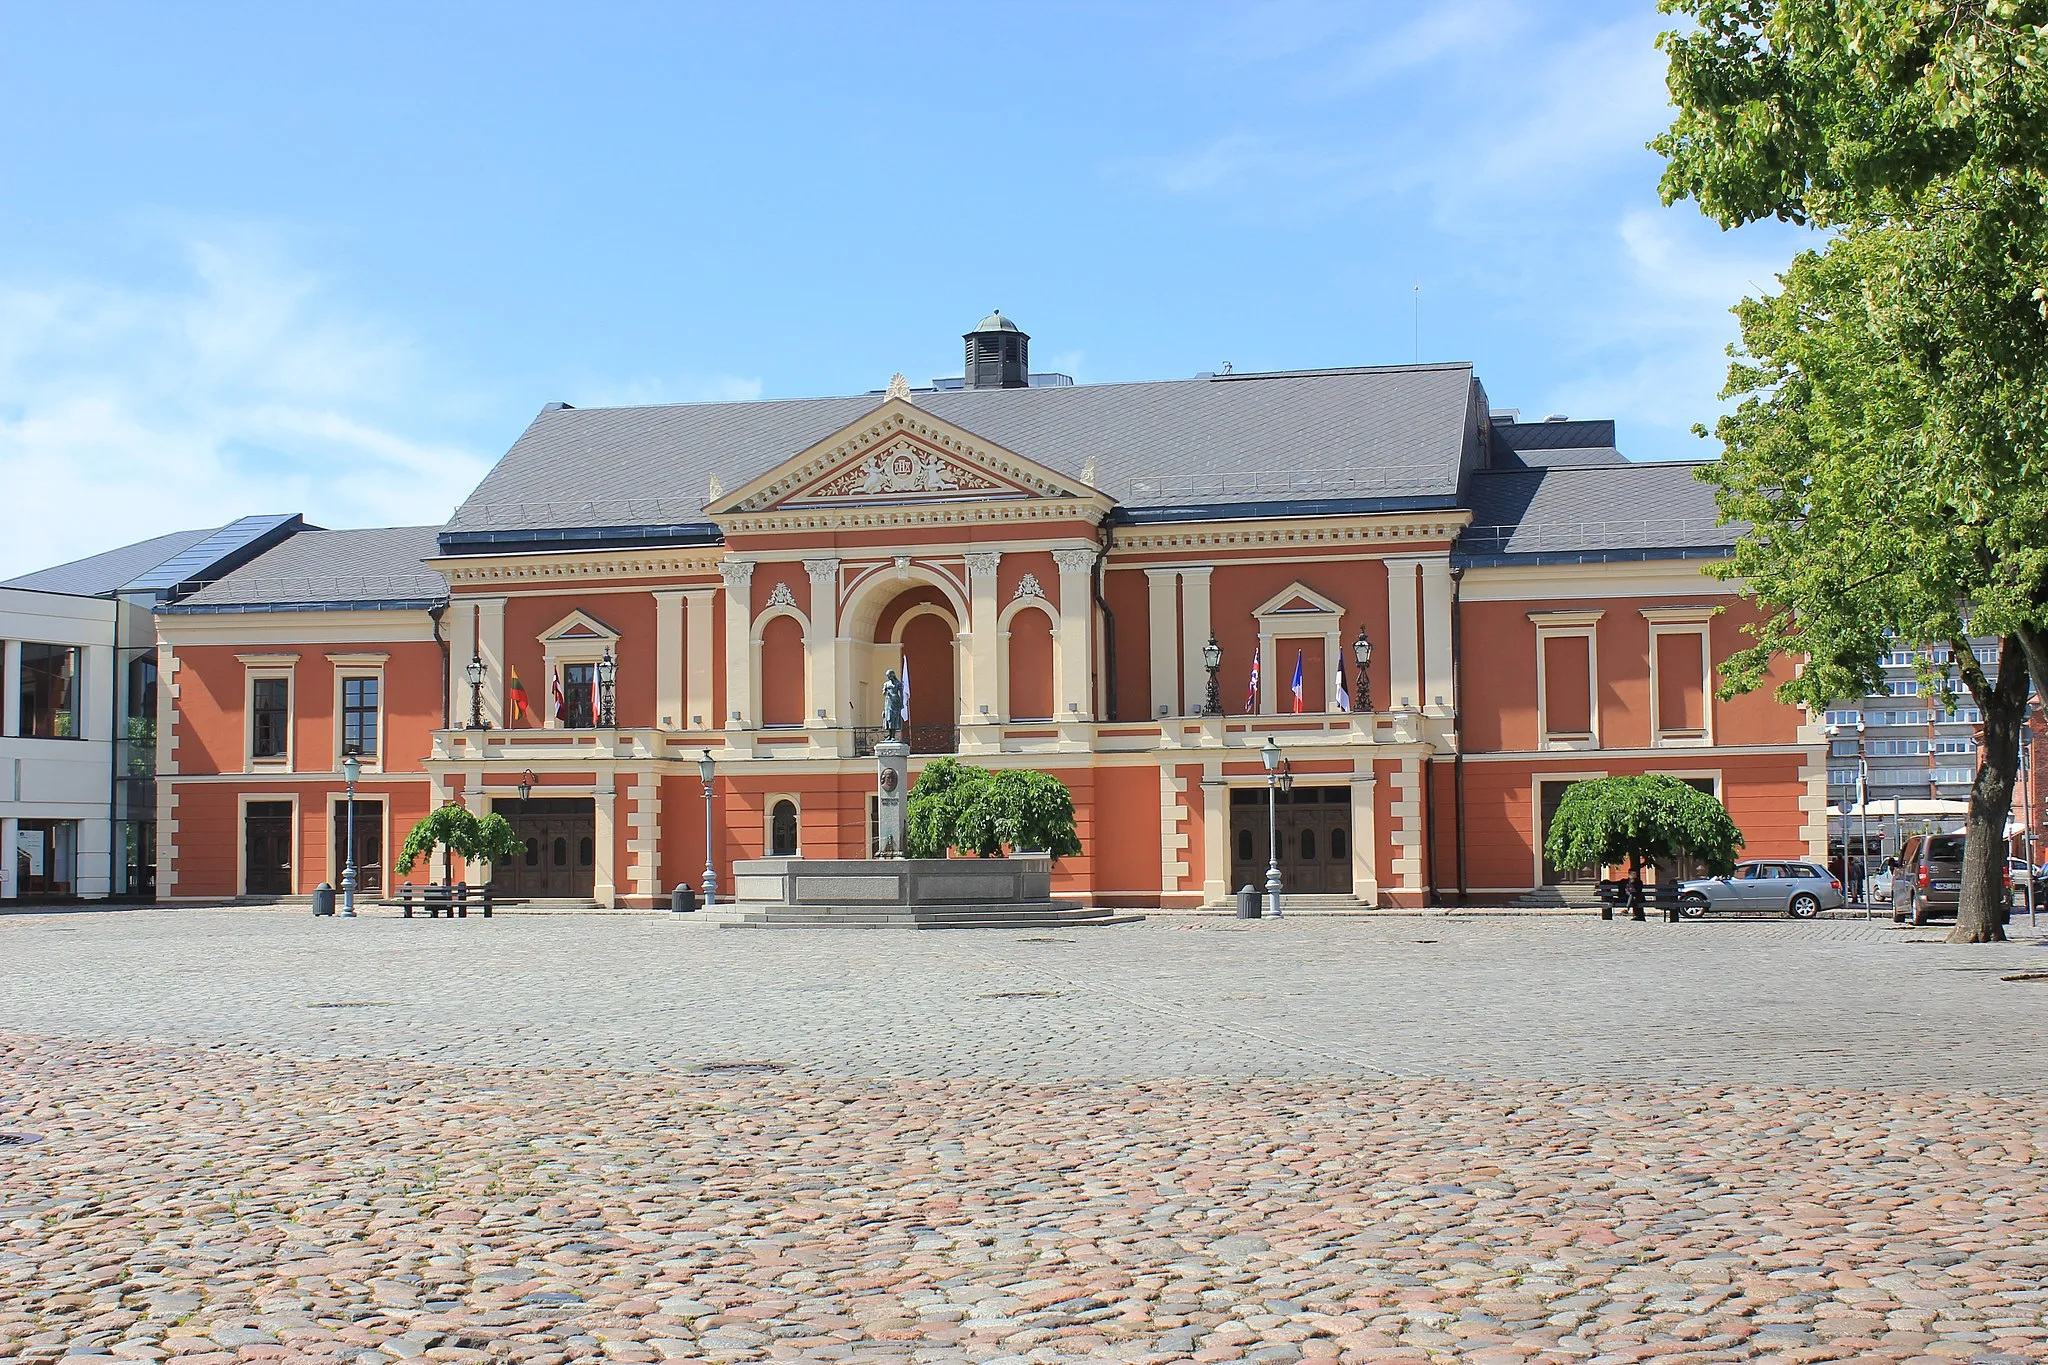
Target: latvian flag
{"type": "Point", "coordinates": [1297, 682]}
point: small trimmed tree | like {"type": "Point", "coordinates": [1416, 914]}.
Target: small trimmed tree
{"type": "Point", "coordinates": [1638, 820]}
{"type": "Point", "coordinates": [453, 830]}
{"type": "Point", "coordinates": [956, 805]}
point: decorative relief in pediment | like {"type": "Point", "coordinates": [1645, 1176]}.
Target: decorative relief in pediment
{"type": "Point", "coordinates": [904, 469]}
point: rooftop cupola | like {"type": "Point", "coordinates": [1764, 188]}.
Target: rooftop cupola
{"type": "Point", "coordinates": [998, 354]}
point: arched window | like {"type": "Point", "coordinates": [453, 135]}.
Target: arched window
{"type": "Point", "coordinates": [1308, 844]}
{"type": "Point", "coordinates": [1244, 845]}
{"type": "Point", "coordinates": [561, 852]}
{"type": "Point", "coordinates": [782, 830]}
{"type": "Point", "coordinates": [1337, 842]}
{"type": "Point", "coordinates": [584, 850]}
{"type": "Point", "coordinates": [533, 853]}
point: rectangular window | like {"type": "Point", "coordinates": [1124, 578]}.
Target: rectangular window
{"type": "Point", "coordinates": [579, 696]}
{"type": "Point", "coordinates": [1681, 667]}
{"type": "Point", "coordinates": [359, 698]}
{"type": "Point", "coordinates": [1955, 776]}
{"type": "Point", "coordinates": [270, 704]}
{"type": "Point", "coordinates": [1841, 777]}
{"type": "Point", "coordinates": [46, 857]}
{"type": "Point", "coordinates": [1954, 746]}
{"type": "Point", "coordinates": [1567, 687]}
{"type": "Point", "coordinates": [49, 691]}
{"type": "Point", "coordinates": [1841, 717]}
{"type": "Point", "coordinates": [1904, 687]}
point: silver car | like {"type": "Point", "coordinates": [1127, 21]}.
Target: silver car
{"type": "Point", "coordinates": [1801, 890]}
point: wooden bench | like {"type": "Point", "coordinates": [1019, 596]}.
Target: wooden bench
{"type": "Point", "coordinates": [447, 902]}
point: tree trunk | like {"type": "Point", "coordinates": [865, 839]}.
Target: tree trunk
{"type": "Point", "coordinates": [1980, 915]}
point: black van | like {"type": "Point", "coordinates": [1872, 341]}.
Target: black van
{"type": "Point", "coordinates": [1928, 879]}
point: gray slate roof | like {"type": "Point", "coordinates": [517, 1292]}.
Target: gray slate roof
{"type": "Point", "coordinates": [1395, 433]}
{"type": "Point", "coordinates": [101, 575]}
{"type": "Point", "coordinates": [330, 570]}
{"type": "Point", "coordinates": [1590, 514]}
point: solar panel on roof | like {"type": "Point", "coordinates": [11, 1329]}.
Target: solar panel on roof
{"type": "Point", "coordinates": [230, 545]}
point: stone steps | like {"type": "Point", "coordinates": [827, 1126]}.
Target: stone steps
{"type": "Point", "coordinates": [1576, 895]}
{"type": "Point", "coordinates": [1050, 915]}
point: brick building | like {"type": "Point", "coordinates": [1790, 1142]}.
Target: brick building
{"type": "Point", "coordinates": [1048, 563]}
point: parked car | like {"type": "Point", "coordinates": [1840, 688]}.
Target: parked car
{"type": "Point", "coordinates": [1877, 886]}
{"type": "Point", "coordinates": [1928, 881]}
{"type": "Point", "coordinates": [2017, 873]}
{"type": "Point", "coordinates": [1763, 887]}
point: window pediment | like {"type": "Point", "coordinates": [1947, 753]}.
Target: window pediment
{"type": "Point", "coordinates": [1298, 601]}
{"type": "Point", "coordinates": [579, 627]}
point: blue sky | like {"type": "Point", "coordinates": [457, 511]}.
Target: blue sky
{"type": "Point", "coordinates": [269, 257]}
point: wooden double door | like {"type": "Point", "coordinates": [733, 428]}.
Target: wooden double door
{"type": "Point", "coordinates": [1313, 828]}
{"type": "Point", "coordinates": [267, 848]}
{"type": "Point", "coordinates": [369, 846]}
{"type": "Point", "coordinates": [559, 857]}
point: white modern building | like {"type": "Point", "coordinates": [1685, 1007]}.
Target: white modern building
{"type": "Point", "coordinates": [78, 706]}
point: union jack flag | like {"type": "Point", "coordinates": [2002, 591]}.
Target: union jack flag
{"type": "Point", "coordinates": [1251, 696]}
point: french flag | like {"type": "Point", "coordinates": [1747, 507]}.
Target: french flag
{"type": "Point", "coordinates": [1297, 683]}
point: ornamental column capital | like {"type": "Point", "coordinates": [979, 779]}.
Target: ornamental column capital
{"type": "Point", "coordinates": [1074, 561]}
{"type": "Point", "coordinates": [983, 564]}
{"type": "Point", "coordinates": [822, 570]}
{"type": "Point", "coordinates": [737, 573]}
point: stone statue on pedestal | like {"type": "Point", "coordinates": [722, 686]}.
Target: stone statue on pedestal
{"type": "Point", "coordinates": [893, 719]}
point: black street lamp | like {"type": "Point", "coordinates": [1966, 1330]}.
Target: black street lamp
{"type": "Point", "coordinates": [527, 782]}
{"type": "Point", "coordinates": [1361, 650]}
{"type": "Point", "coordinates": [705, 770]}
{"type": "Point", "coordinates": [1270, 755]}
{"type": "Point", "coordinates": [607, 675]}
{"type": "Point", "coordinates": [351, 770]}
{"type": "Point", "coordinates": [476, 671]}
{"type": "Point", "coordinates": [1212, 659]}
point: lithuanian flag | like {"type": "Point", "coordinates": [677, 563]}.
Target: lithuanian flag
{"type": "Point", "coordinates": [515, 699]}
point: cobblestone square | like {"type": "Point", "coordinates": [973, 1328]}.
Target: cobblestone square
{"type": "Point", "coordinates": [541, 1138]}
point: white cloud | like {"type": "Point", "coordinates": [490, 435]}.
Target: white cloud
{"type": "Point", "coordinates": [247, 387]}
{"type": "Point", "coordinates": [651, 390]}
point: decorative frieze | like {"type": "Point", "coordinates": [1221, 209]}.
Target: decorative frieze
{"type": "Point", "coordinates": [1027, 586]}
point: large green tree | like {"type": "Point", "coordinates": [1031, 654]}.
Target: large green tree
{"type": "Point", "coordinates": [955, 805]}
{"type": "Point", "coordinates": [1890, 449]}
{"type": "Point", "coordinates": [1636, 820]}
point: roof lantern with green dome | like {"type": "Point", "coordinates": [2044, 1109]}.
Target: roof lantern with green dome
{"type": "Point", "coordinates": [998, 354]}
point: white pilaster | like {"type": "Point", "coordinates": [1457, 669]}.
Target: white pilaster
{"type": "Point", "coordinates": [822, 644]}
{"type": "Point", "coordinates": [984, 639]}
{"type": "Point", "coordinates": [1076, 582]}
{"type": "Point", "coordinates": [697, 699]}
{"type": "Point", "coordinates": [1162, 614]}
{"type": "Point", "coordinates": [10, 711]}
{"type": "Point", "coordinates": [1404, 658]}
{"type": "Point", "coordinates": [668, 659]}
{"type": "Point", "coordinates": [739, 653]}
{"type": "Point", "coordinates": [490, 614]}
{"type": "Point", "coordinates": [1195, 625]}
{"type": "Point", "coordinates": [643, 846]}
{"type": "Point", "coordinates": [1216, 886]}
{"type": "Point", "coordinates": [606, 890]}
{"type": "Point", "coordinates": [1365, 847]}
{"type": "Point", "coordinates": [1436, 635]}
{"type": "Point", "coordinates": [460, 623]}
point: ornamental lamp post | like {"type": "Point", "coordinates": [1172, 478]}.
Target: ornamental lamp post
{"type": "Point", "coordinates": [1212, 659]}
{"type": "Point", "coordinates": [607, 676]}
{"type": "Point", "coordinates": [1270, 756]}
{"type": "Point", "coordinates": [1361, 650]}
{"type": "Point", "coordinates": [475, 669]}
{"type": "Point", "coordinates": [351, 770]}
{"type": "Point", "coordinates": [705, 770]}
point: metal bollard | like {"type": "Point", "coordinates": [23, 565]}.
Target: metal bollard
{"type": "Point", "coordinates": [1248, 903]}
{"type": "Point", "coordinates": [323, 899]}
{"type": "Point", "coordinates": [682, 900]}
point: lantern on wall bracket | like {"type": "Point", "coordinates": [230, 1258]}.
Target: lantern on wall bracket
{"type": "Point", "coordinates": [1361, 650]}
{"type": "Point", "coordinates": [476, 672]}
{"type": "Point", "coordinates": [607, 678]}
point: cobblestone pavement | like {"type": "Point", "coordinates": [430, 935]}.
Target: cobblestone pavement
{"type": "Point", "coordinates": [269, 1138]}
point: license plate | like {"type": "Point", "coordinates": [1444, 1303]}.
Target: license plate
{"type": "Point", "coordinates": [1948, 886]}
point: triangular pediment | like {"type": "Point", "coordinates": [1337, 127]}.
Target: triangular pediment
{"type": "Point", "coordinates": [1298, 599]}
{"type": "Point", "coordinates": [579, 625]}
{"type": "Point", "coordinates": [899, 455]}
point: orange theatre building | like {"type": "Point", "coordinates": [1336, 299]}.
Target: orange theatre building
{"type": "Point", "coordinates": [1441, 615]}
